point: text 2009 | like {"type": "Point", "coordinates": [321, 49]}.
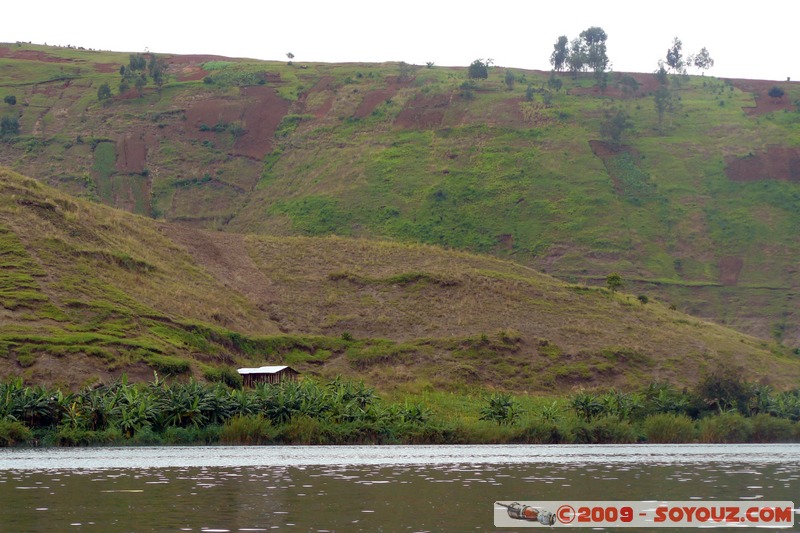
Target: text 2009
{"type": "Point", "coordinates": [605, 514]}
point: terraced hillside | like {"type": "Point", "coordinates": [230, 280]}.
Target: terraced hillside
{"type": "Point", "coordinates": [698, 205]}
{"type": "Point", "coordinates": [88, 292]}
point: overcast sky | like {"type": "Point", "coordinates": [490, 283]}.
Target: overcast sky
{"type": "Point", "coordinates": [515, 33]}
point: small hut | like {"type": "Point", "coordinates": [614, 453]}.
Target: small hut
{"type": "Point", "coordinates": [267, 374]}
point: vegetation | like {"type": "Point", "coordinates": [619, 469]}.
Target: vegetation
{"type": "Point", "coordinates": [339, 412]}
{"type": "Point", "coordinates": [408, 161]}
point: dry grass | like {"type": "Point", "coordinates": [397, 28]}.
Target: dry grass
{"type": "Point", "coordinates": [449, 320]}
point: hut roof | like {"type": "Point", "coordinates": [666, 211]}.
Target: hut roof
{"type": "Point", "coordinates": [265, 370]}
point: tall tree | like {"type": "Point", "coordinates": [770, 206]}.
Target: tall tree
{"type": "Point", "coordinates": [596, 57]}
{"type": "Point", "coordinates": [675, 56]}
{"type": "Point", "coordinates": [703, 60]}
{"type": "Point", "coordinates": [560, 53]}
{"type": "Point", "coordinates": [479, 69]}
{"type": "Point", "coordinates": [576, 61]}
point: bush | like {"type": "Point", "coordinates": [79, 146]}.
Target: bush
{"type": "Point", "coordinates": [729, 427]}
{"type": "Point", "coordinates": [9, 125]}
{"type": "Point", "coordinates": [478, 69]}
{"type": "Point", "coordinates": [225, 375]}
{"type": "Point", "coordinates": [169, 365]}
{"type": "Point", "coordinates": [544, 432]}
{"type": "Point", "coordinates": [10, 99]}
{"type": "Point", "coordinates": [605, 430]}
{"type": "Point", "coordinates": [70, 436]}
{"type": "Point", "coordinates": [767, 428]}
{"type": "Point", "coordinates": [13, 432]}
{"type": "Point", "coordinates": [252, 429]}
{"type": "Point", "coordinates": [668, 428]}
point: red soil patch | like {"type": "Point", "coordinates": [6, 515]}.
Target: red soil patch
{"type": "Point", "coordinates": [764, 102]}
{"type": "Point", "coordinates": [729, 270]}
{"type": "Point", "coordinates": [777, 163]}
{"type": "Point", "coordinates": [106, 68]}
{"type": "Point", "coordinates": [423, 112]}
{"type": "Point", "coordinates": [259, 110]}
{"type": "Point", "coordinates": [132, 153]}
{"type": "Point", "coordinates": [31, 55]}
{"type": "Point", "coordinates": [647, 84]}
{"type": "Point", "coordinates": [374, 98]}
{"type": "Point", "coordinates": [326, 83]}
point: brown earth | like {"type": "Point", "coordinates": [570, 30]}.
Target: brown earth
{"type": "Point", "coordinates": [132, 152]}
{"type": "Point", "coordinates": [764, 102]}
{"type": "Point", "coordinates": [647, 84]}
{"type": "Point", "coordinates": [776, 163]}
{"type": "Point", "coordinates": [423, 112]}
{"type": "Point", "coordinates": [225, 257]}
{"type": "Point", "coordinates": [374, 98]}
{"type": "Point", "coordinates": [189, 67]}
{"type": "Point", "coordinates": [259, 110]}
{"type": "Point", "coordinates": [729, 270]}
{"type": "Point", "coordinates": [32, 55]}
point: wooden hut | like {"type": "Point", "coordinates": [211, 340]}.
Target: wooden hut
{"type": "Point", "coordinates": [267, 374]}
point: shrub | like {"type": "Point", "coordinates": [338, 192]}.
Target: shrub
{"type": "Point", "coordinates": [500, 408]}
{"type": "Point", "coordinates": [9, 125]}
{"type": "Point", "coordinates": [251, 429]}
{"type": "Point", "coordinates": [225, 375]}
{"type": "Point", "coordinates": [767, 428]}
{"type": "Point", "coordinates": [71, 436]}
{"type": "Point", "coordinates": [169, 365]}
{"type": "Point", "coordinates": [666, 428]}
{"type": "Point", "coordinates": [544, 432]}
{"type": "Point", "coordinates": [13, 432]}
{"type": "Point", "coordinates": [725, 428]}
{"type": "Point", "coordinates": [10, 99]}
{"type": "Point", "coordinates": [605, 430]}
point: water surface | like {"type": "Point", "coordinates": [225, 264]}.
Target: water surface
{"type": "Point", "coordinates": [363, 488]}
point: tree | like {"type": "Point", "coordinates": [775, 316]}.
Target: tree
{"type": "Point", "coordinates": [674, 56]}
{"type": "Point", "coordinates": [554, 83]}
{"type": "Point", "coordinates": [137, 62]}
{"type": "Point", "coordinates": [560, 53]}
{"type": "Point", "coordinates": [664, 103]}
{"type": "Point", "coordinates": [510, 79]}
{"type": "Point", "coordinates": [10, 99]}
{"type": "Point", "coordinates": [479, 69]}
{"type": "Point", "coordinates": [776, 92]}
{"type": "Point", "coordinates": [576, 61]}
{"type": "Point", "coordinates": [615, 125]}
{"type": "Point", "coordinates": [9, 125]}
{"type": "Point", "coordinates": [614, 282]}
{"type": "Point", "coordinates": [661, 74]}
{"type": "Point", "coordinates": [291, 57]}
{"type": "Point", "coordinates": [140, 83]}
{"type": "Point", "coordinates": [595, 44]}
{"type": "Point", "coordinates": [103, 92]}
{"type": "Point", "coordinates": [702, 60]}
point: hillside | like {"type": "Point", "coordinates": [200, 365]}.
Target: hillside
{"type": "Point", "coordinates": [88, 291]}
{"type": "Point", "coordinates": [699, 207]}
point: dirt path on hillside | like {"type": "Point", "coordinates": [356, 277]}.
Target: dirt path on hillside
{"type": "Point", "coordinates": [225, 256]}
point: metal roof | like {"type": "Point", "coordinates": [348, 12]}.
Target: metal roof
{"type": "Point", "coordinates": [263, 370]}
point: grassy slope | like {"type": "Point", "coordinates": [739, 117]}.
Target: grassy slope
{"type": "Point", "coordinates": [492, 173]}
{"type": "Point", "coordinates": [88, 291]}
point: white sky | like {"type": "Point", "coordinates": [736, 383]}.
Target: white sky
{"type": "Point", "coordinates": [515, 33]}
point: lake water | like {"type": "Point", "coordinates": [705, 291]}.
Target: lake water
{"type": "Point", "coordinates": [363, 488]}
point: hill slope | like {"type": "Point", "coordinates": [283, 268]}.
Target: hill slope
{"type": "Point", "coordinates": [699, 205]}
{"type": "Point", "coordinates": [88, 291]}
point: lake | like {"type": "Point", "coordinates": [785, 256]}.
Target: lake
{"type": "Point", "coordinates": [363, 488]}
